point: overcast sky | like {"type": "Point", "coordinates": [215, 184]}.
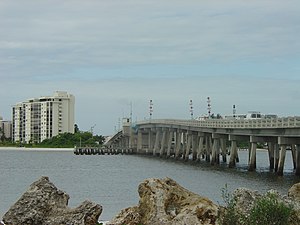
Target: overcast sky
{"type": "Point", "coordinates": [111, 53]}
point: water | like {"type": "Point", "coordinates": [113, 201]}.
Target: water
{"type": "Point", "coordinates": [112, 180]}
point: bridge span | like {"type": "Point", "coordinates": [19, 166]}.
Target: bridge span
{"type": "Point", "coordinates": [212, 140]}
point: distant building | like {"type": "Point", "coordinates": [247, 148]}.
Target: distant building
{"type": "Point", "coordinates": [236, 116]}
{"type": "Point", "coordinates": [41, 118]}
{"type": "Point", "coordinates": [252, 115]}
{"type": "Point", "coordinates": [5, 128]}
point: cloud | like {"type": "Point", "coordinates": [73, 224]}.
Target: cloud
{"type": "Point", "coordinates": [139, 32]}
{"type": "Point", "coordinates": [109, 53]}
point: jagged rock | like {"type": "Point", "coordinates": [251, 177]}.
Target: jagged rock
{"type": "Point", "coordinates": [294, 192]}
{"type": "Point", "coordinates": [245, 199]}
{"type": "Point", "coordinates": [128, 216]}
{"type": "Point", "coordinates": [164, 202]}
{"type": "Point", "coordinates": [44, 204]}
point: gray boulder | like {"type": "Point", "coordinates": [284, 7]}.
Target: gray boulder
{"type": "Point", "coordinates": [44, 204]}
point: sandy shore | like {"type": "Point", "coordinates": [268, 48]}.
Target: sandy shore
{"type": "Point", "coordinates": [35, 149]}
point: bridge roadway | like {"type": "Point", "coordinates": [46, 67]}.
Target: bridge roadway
{"type": "Point", "coordinates": [212, 139]}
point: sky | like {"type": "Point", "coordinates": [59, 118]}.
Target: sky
{"type": "Point", "coordinates": [115, 56]}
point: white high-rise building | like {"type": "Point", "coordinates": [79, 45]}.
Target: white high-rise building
{"type": "Point", "coordinates": [41, 118]}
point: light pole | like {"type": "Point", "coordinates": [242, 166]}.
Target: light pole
{"type": "Point", "coordinates": [191, 109]}
{"type": "Point", "coordinates": [150, 109]}
{"type": "Point", "coordinates": [208, 106]}
{"type": "Point", "coordinates": [233, 111]}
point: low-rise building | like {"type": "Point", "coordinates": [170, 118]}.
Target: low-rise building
{"type": "Point", "coordinates": [5, 128]}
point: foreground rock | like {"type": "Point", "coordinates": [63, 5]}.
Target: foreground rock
{"type": "Point", "coordinates": [272, 201]}
{"type": "Point", "coordinates": [164, 202]}
{"type": "Point", "coordinates": [294, 192]}
{"type": "Point", "coordinates": [44, 204]}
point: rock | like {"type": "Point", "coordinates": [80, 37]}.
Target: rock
{"type": "Point", "coordinates": [294, 192]}
{"type": "Point", "coordinates": [294, 199]}
{"type": "Point", "coordinates": [245, 199]}
{"type": "Point", "coordinates": [128, 216]}
{"type": "Point", "coordinates": [164, 202]}
{"type": "Point", "coordinates": [44, 204]}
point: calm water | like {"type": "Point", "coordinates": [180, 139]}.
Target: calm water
{"type": "Point", "coordinates": [112, 180]}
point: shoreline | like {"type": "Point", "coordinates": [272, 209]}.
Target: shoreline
{"type": "Point", "coordinates": [34, 149]}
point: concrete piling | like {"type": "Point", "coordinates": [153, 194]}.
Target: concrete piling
{"type": "Point", "coordinates": [281, 160]}
{"type": "Point", "coordinates": [297, 160]}
{"type": "Point", "coordinates": [271, 155]}
{"type": "Point", "coordinates": [233, 154]}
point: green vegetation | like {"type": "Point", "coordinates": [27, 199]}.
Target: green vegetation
{"type": "Point", "coordinates": [68, 140]}
{"type": "Point", "coordinates": [231, 217]}
{"type": "Point", "coordinates": [267, 210]}
{"type": "Point", "coordinates": [65, 140]}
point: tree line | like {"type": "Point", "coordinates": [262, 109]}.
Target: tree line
{"type": "Point", "coordinates": [64, 140]}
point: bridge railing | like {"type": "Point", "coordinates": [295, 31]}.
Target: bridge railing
{"type": "Point", "coordinates": [284, 122]}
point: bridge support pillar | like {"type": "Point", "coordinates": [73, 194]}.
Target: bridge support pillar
{"type": "Point", "coordinates": [184, 142]}
{"type": "Point", "coordinates": [126, 144]}
{"type": "Point", "coordinates": [281, 160]}
{"type": "Point", "coordinates": [150, 141]}
{"type": "Point", "coordinates": [223, 149]}
{"type": "Point", "coordinates": [188, 145]}
{"type": "Point", "coordinates": [178, 143]}
{"type": "Point", "coordinates": [233, 150]}
{"type": "Point", "coordinates": [131, 139]}
{"type": "Point", "coordinates": [208, 145]}
{"type": "Point", "coordinates": [293, 150]}
{"type": "Point", "coordinates": [139, 141]}
{"type": "Point", "coordinates": [297, 159]}
{"type": "Point", "coordinates": [283, 142]}
{"type": "Point", "coordinates": [233, 154]}
{"type": "Point", "coordinates": [271, 155]}
{"type": "Point", "coordinates": [215, 152]}
{"type": "Point", "coordinates": [157, 141]}
{"type": "Point", "coordinates": [200, 149]}
{"type": "Point", "coordinates": [276, 157]}
{"type": "Point", "coordinates": [195, 145]}
{"type": "Point", "coordinates": [252, 163]}
{"type": "Point", "coordinates": [217, 145]}
{"type": "Point", "coordinates": [171, 135]}
{"type": "Point", "coordinates": [163, 143]}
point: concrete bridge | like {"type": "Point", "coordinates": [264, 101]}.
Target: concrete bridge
{"type": "Point", "coordinates": [212, 140]}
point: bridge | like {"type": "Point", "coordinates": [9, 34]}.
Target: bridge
{"type": "Point", "coordinates": [212, 140]}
